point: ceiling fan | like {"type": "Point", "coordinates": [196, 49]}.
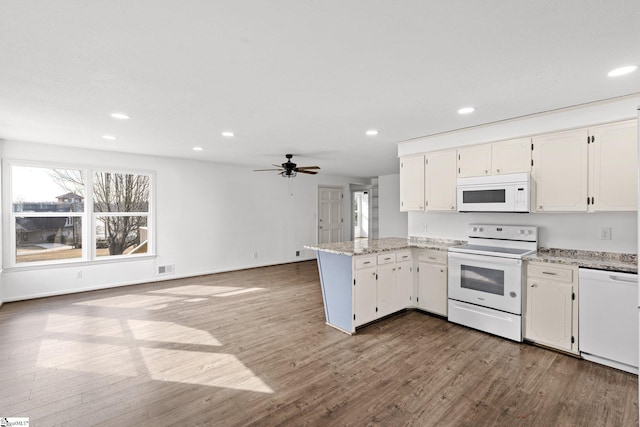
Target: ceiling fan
{"type": "Point", "coordinates": [289, 169]}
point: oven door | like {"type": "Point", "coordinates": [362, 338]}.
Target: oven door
{"type": "Point", "coordinates": [488, 281]}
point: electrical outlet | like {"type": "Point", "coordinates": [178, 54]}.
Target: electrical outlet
{"type": "Point", "coordinates": [605, 233]}
{"type": "Point", "coordinates": [424, 226]}
{"type": "Point", "coordinates": [79, 274]}
{"type": "Point", "coordinates": [297, 253]}
{"type": "Point", "coordinates": [255, 255]}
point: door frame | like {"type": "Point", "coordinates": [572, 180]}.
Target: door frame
{"type": "Point", "coordinates": [354, 188]}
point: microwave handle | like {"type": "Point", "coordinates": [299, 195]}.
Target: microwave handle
{"type": "Point", "coordinates": [484, 258]}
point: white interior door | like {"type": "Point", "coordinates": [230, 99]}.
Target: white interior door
{"type": "Point", "coordinates": [329, 214]}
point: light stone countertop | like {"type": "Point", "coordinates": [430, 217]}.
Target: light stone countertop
{"type": "Point", "coordinates": [373, 246]}
{"type": "Point", "coordinates": [609, 261]}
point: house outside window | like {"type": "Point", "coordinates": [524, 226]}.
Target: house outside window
{"type": "Point", "coordinates": [52, 220]}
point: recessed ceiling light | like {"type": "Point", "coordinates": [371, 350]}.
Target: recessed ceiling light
{"type": "Point", "coordinates": [120, 116]}
{"type": "Point", "coordinates": [198, 149]}
{"type": "Point", "coordinates": [621, 71]}
{"type": "Point", "coordinates": [466, 110]}
{"type": "Point", "coordinates": [109, 137]}
{"type": "Point", "coordinates": [228, 134]}
{"type": "Point", "coordinates": [372, 132]}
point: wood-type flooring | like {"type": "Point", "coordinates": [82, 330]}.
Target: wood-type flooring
{"type": "Point", "coordinates": [251, 348]}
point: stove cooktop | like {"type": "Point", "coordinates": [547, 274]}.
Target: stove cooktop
{"type": "Point", "coordinates": [492, 250]}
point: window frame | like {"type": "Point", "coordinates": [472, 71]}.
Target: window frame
{"type": "Point", "coordinates": [88, 216]}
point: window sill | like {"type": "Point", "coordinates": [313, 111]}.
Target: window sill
{"type": "Point", "coordinates": [73, 264]}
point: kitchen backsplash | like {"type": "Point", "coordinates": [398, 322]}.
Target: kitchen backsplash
{"type": "Point", "coordinates": [579, 231]}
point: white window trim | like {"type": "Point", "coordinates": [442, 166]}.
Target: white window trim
{"type": "Point", "coordinates": [88, 217]}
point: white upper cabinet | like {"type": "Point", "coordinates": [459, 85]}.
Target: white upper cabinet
{"type": "Point", "coordinates": [412, 183]}
{"type": "Point", "coordinates": [498, 158]}
{"type": "Point", "coordinates": [560, 171]}
{"type": "Point", "coordinates": [474, 161]}
{"type": "Point", "coordinates": [613, 167]}
{"type": "Point", "coordinates": [440, 181]}
{"type": "Point", "coordinates": [513, 156]}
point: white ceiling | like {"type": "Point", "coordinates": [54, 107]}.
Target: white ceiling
{"type": "Point", "coordinates": [299, 76]}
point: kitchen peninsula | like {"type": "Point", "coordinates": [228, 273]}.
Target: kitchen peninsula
{"type": "Point", "coordinates": [367, 279]}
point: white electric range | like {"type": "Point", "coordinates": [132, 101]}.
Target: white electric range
{"type": "Point", "coordinates": [486, 278]}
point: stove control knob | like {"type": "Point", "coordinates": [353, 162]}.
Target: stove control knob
{"type": "Point", "coordinates": [480, 229]}
{"type": "Point", "coordinates": [512, 294]}
{"type": "Point", "coordinates": [475, 229]}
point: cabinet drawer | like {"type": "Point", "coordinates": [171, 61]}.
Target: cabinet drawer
{"type": "Point", "coordinates": [403, 256]}
{"type": "Point", "coordinates": [438, 257]}
{"type": "Point", "coordinates": [386, 258]}
{"type": "Point", "coordinates": [550, 272]}
{"type": "Point", "coordinates": [364, 262]}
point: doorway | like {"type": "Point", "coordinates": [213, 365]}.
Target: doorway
{"type": "Point", "coordinates": [360, 215]}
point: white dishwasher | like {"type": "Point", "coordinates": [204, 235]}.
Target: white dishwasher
{"type": "Point", "coordinates": [608, 318]}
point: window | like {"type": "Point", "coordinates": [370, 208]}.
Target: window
{"type": "Point", "coordinates": [53, 220]}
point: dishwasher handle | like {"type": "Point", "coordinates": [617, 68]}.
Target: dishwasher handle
{"type": "Point", "coordinates": [623, 279]}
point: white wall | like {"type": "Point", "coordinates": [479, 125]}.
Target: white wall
{"type": "Point", "coordinates": [566, 231]}
{"type": "Point", "coordinates": [210, 218]}
{"type": "Point", "coordinates": [392, 222]}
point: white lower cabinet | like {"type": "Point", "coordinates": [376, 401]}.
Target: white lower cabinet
{"type": "Point", "coordinates": [432, 282]}
{"type": "Point", "coordinates": [551, 315]}
{"type": "Point", "coordinates": [364, 289]}
{"type": "Point", "coordinates": [382, 285]}
{"type": "Point", "coordinates": [386, 283]}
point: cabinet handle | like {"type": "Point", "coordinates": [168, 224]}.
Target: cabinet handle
{"type": "Point", "coordinates": [534, 286]}
{"type": "Point", "coordinates": [393, 269]}
{"type": "Point", "coordinates": [498, 170]}
{"type": "Point", "coordinates": [550, 273]}
{"type": "Point", "coordinates": [452, 207]}
{"type": "Point", "coordinates": [539, 206]}
{"type": "Point", "coordinates": [441, 271]}
{"type": "Point", "coordinates": [431, 257]}
{"type": "Point", "coordinates": [320, 227]}
{"type": "Point", "coordinates": [486, 172]}
{"type": "Point", "coordinates": [367, 262]}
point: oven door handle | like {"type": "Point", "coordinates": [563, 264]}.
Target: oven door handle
{"type": "Point", "coordinates": [485, 258]}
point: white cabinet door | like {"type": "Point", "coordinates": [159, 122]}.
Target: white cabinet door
{"type": "Point", "coordinates": [404, 286]}
{"type": "Point", "coordinates": [412, 183]}
{"type": "Point", "coordinates": [560, 171]}
{"type": "Point", "coordinates": [613, 167]}
{"type": "Point", "coordinates": [365, 295]}
{"type": "Point", "coordinates": [432, 288]}
{"type": "Point", "coordinates": [386, 289]}
{"type": "Point", "coordinates": [440, 181]}
{"type": "Point", "coordinates": [512, 156]}
{"type": "Point", "coordinates": [474, 161]}
{"type": "Point", "coordinates": [549, 314]}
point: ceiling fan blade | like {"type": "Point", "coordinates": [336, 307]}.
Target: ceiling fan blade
{"type": "Point", "coordinates": [309, 172]}
{"type": "Point", "coordinates": [262, 170]}
{"type": "Point", "coordinates": [308, 167]}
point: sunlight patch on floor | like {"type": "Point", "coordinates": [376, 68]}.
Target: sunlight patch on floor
{"type": "Point", "coordinates": [84, 325]}
{"type": "Point", "coordinates": [211, 291]}
{"type": "Point", "coordinates": [149, 302]}
{"type": "Point", "coordinates": [103, 359]}
{"type": "Point", "coordinates": [209, 369]}
{"type": "Point", "coordinates": [169, 332]}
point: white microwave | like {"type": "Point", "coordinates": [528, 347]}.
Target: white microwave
{"type": "Point", "coordinates": [496, 193]}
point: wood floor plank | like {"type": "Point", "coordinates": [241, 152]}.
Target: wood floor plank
{"type": "Point", "coordinates": [251, 348]}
